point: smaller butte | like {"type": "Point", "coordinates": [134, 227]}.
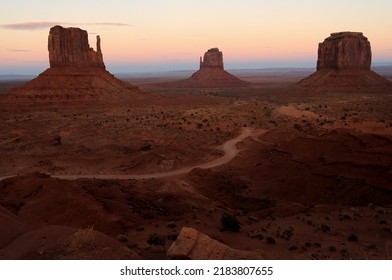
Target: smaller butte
{"type": "Point", "coordinates": [76, 73]}
{"type": "Point", "coordinates": [211, 74]}
{"type": "Point", "coordinates": [344, 61]}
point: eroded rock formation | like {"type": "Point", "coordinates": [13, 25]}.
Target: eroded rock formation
{"type": "Point", "coordinates": [345, 50]}
{"type": "Point", "coordinates": [213, 58]}
{"type": "Point", "coordinates": [77, 72]}
{"type": "Point", "coordinates": [344, 61]}
{"type": "Point", "coordinates": [70, 47]}
{"type": "Point", "coordinates": [211, 74]}
{"type": "Point", "coordinates": [194, 245]}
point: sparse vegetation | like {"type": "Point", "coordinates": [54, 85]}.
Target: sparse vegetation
{"type": "Point", "coordinates": [229, 223]}
{"type": "Point", "coordinates": [157, 240]}
{"type": "Point", "coordinates": [83, 238]}
{"type": "Point", "coordinates": [270, 240]}
{"type": "Point", "coordinates": [352, 237]}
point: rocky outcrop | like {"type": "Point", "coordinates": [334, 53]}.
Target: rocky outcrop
{"type": "Point", "coordinates": [62, 242]}
{"type": "Point", "coordinates": [76, 73]}
{"type": "Point", "coordinates": [344, 61]}
{"type": "Point", "coordinates": [70, 47]}
{"type": "Point", "coordinates": [213, 58]}
{"type": "Point", "coordinates": [345, 50]}
{"type": "Point", "coordinates": [194, 245]}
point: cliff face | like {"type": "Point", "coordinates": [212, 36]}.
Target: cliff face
{"type": "Point", "coordinates": [213, 58]}
{"type": "Point", "coordinates": [76, 72]}
{"type": "Point", "coordinates": [70, 47]}
{"type": "Point", "coordinates": [345, 50]}
{"type": "Point", "coordinates": [343, 64]}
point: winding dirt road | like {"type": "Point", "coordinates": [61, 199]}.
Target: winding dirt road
{"type": "Point", "coordinates": [229, 148]}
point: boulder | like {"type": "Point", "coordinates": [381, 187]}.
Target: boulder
{"type": "Point", "coordinates": [192, 244]}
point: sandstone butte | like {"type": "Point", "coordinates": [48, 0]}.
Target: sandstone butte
{"type": "Point", "coordinates": [211, 74]}
{"type": "Point", "coordinates": [76, 72]}
{"type": "Point", "coordinates": [344, 61]}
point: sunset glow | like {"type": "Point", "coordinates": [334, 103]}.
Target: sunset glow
{"type": "Point", "coordinates": [139, 36]}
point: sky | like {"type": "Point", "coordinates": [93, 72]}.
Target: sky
{"type": "Point", "coordinates": [153, 35]}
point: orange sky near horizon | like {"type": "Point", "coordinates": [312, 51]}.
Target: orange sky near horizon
{"type": "Point", "coordinates": [140, 36]}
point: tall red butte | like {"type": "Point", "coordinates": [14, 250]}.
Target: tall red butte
{"type": "Point", "coordinates": [76, 72]}
{"type": "Point", "coordinates": [344, 61]}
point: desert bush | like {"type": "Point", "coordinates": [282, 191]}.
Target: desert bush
{"type": "Point", "coordinates": [287, 233]}
{"type": "Point", "coordinates": [122, 238]}
{"type": "Point", "coordinates": [229, 222]}
{"type": "Point", "coordinates": [83, 238]}
{"type": "Point", "coordinates": [353, 237]}
{"type": "Point", "coordinates": [270, 240]}
{"type": "Point", "coordinates": [325, 228]}
{"type": "Point", "coordinates": [157, 240]}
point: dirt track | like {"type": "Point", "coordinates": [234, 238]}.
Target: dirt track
{"type": "Point", "coordinates": [229, 148]}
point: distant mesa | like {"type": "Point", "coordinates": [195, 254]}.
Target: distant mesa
{"type": "Point", "coordinates": [344, 61]}
{"type": "Point", "coordinates": [76, 72]}
{"type": "Point", "coordinates": [211, 74]}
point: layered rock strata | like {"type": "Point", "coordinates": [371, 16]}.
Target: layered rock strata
{"type": "Point", "coordinates": [345, 51]}
{"type": "Point", "coordinates": [344, 61]}
{"type": "Point", "coordinates": [211, 74]}
{"type": "Point", "coordinates": [70, 47]}
{"type": "Point", "coordinates": [77, 72]}
{"type": "Point", "coordinates": [213, 58]}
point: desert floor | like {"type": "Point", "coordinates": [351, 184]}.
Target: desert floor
{"type": "Point", "coordinates": [311, 180]}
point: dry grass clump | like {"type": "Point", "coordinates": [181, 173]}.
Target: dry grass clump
{"type": "Point", "coordinates": [83, 238]}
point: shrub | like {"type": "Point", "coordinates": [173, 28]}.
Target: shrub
{"type": "Point", "coordinates": [270, 240]}
{"type": "Point", "coordinates": [287, 233]}
{"type": "Point", "coordinates": [122, 238]}
{"type": "Point", "coordinates": [157, 240]}
{"type": "Point", "coordinates": [83, 238]}
{"type": "Point", "coordinates": [230, 223]}
{"type": "Point", "coordinates": [353, 237]}
{"type": "Point", "coordinates": [325, 228]}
